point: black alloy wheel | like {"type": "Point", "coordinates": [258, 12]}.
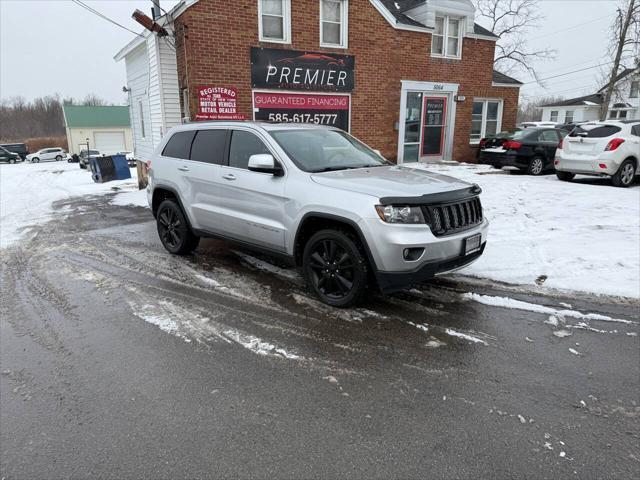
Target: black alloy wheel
{"type": "Point", "coordinates": [335, 268]}
{"type": "Point", "coordinates": [173, 229]}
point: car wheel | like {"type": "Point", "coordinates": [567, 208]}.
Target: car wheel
{"type": "Point", "coordinates": [35, 160]}
{"type": "Point", "coordinates": [625, 174]}
{"type": "Point", "coordinates": [58, 158]}
{"type": "Point", "coordinates": [335, 267]}
{"type": "Point", "coordinates": [565, 176]}
{"type": "Point", "coordinates": [174, 230]}
{"type": "Point", "coordinates": [536, 166]}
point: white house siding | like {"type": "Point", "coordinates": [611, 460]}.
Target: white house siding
{"type": "Point", "coordinates": [622, 95]}
{"type": "Point", "coordinates": [137, 67]}
{"type": "Point", "coordinates": [580, 113]}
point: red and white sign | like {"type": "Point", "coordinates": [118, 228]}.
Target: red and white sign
{"type": "Point", "coordinates": [218, 103]}
{"type": "Point", "coordinates": [295, 101]}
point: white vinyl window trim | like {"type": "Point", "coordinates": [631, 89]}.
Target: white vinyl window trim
{"type": "Point", "coordinates": [568, 116]}
{"type": "Point", "coordinates": [553, 116]}
{"type": "Point", "coordinates": [285, 17]}
{"type": "Point", "coordinates": [474, 138]}
{"type": "Point", "coordinates": [634, 92]}
{"type": "Point", "coordinates": [343, 24]}
{"type": "Point", "coordinates": [446, 35]}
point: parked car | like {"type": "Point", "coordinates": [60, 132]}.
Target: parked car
{"type": "Point", "coordinates": [130, 158]}
{"type": "Point", "coordinates": [531, 150]}
{"type": "Point", "coordinates": [568, 127]}
{"type": "Point", "coordinates": [538, 124]}
{"type": "Point", "coordinates": [19, 148]}
{"type": "Point", "coordinates": [45, 154]}
{"type": "Point", "coordinates": [75, 158]}
{"type": "Point", "coordinates": [9, 157]}
{"type": "Point", "coordinates": [85, 156]}
{"type": "Point", "coordinates": [609, 148]}
{"type": "Point", "coordinates": [315, 197]}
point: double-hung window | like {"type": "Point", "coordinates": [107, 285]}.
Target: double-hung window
{"type": "Point", "coordinates": [274, 20]}
{"type": "Point", "coordinates": [486, 119]}
{"type": "Point", "coordinates": [446, 40]}
{"type": "Point", "coordinates": [553, 116]}
{"type": "Point", "coordinates": [568, 116]}
{"type": "Point", "coordinates": [333, 23]}
{"type": "Point", "coordinates": [635, 89]}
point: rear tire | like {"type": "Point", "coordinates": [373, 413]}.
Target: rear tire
{"type": "Point", "coordinates": [335, 267]}
{"type": "Point", "coordinates": [58, 158]}
{"type": "Point", "coordinates": [174, 230]}
{"type": "Point", "coordinates": [536, 166]}
{"type": "Point", "coordinates": [35, 160]}
{"type": "Point", "coordinates": [625, 175]}
{"type": "Point", "coordinates": [565, 176]}
{"type": "Point", "coordinates": [12, 161]}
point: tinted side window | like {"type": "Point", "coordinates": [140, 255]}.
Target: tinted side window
{"type": "Point", "coordinates": [243, 145]}
{"type": "Point", "coordinates": [208, 146]}
{"type": "Point", "coordinates": [179, 145]}
{"type": "Point", "coordinates": [635, 130]}
{"type": "Point", "coordinates": [548, 136]}
{"type": "Point", "coordinates": [603, 131]}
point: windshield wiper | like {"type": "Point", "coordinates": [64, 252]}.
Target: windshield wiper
{"type": "Point", "coordinates": [346, 167]}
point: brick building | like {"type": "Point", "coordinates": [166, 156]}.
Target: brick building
{"type": "Point", "coordinates": [411, 78]}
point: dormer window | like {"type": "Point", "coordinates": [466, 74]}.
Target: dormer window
{"type": "Point", "coordinates": [446, 40]}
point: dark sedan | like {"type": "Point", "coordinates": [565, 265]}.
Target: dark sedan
{"type": "Point", "coordinates": [531, 150]}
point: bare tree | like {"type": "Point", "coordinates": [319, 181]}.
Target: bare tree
{"type": "Point", "coordinates": [625, 38]}
{"type": "Point", "coordinates": [511, 20]}
{"type": "Point", "coordinates": [92, 100]}
{"type": "Point", "coordinates": [531, 110]}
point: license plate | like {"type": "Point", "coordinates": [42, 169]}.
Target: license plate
{"type": "Point", "coordinates": [472, 244]}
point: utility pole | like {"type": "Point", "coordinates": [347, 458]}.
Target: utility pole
{"type": "Point", "coordinates": [622, 23]}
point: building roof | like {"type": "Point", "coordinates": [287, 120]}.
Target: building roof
{"type": "Point", "coordinates": [499, 77]}
{"type": "Point", "coordinates": [593, 99]}
{"type": "Point", "coordinates": [621, 75]}
{"type": "Point", "coordinates": [397, 8]}
{"type": "Point", "coordinates": [77, 116]}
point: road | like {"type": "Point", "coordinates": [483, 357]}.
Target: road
{"type": "Point", "coordinates": [120, 361]}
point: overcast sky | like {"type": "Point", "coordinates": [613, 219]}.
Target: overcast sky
{"type": "Point", "coordinates": [56, 46]}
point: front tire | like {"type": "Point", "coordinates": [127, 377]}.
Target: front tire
{"type": "Point", "coordinates": [625, 174]}
{"type": "Point", "coordinates": [174, 230]}
{"type": "Point", "coordinates": [335, 267]}
{"type": "Point", "coordinates": [565, 176]}
{"type": "Point", "coordinates": [12, 161]}
{"type": "Point", "coordinates": [58, 158]}
{"type": "Point", "coordinates": [35, 160]}
{"type": "Point", "coordinates": [536, 166]}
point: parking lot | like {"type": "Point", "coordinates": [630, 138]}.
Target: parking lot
{"type": "Point", "coordinates": [120, 360]}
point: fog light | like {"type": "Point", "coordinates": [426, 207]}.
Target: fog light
{"type": "Point", "coordinates": [412, 254]}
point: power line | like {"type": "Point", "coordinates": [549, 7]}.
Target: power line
{"type": "Point", "coordinates": [96, 12]}
{"type": "Point", "coordinates": [574, 89]}
{"type": "Point", "coordinates": [567, 73]}
{"type": "Point", "coordinates": [572, 27]}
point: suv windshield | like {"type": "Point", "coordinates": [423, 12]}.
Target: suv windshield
{"type": "Point", "coordinates": [326, 150]}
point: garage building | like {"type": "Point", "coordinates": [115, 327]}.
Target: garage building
{"type": "Point", "coordinates": [108, 128]}
{"type": "Point", "coordinates": [411, 78]}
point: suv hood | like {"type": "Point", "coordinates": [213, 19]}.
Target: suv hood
{"type": "Point", "coordinates": [391, 181]}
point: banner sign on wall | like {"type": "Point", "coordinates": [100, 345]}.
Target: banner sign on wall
{"type": "Point", "coordinates": [320, 109]}
{"type": "Point", "coordinates": [218, 103]}
{"type": "Point", "coordinates": [297, 70]}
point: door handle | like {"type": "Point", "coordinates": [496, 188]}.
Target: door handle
{"type": "Point", "coordinates": [229, 176]}
{"type": "Point", "coordinates": [183, 169]}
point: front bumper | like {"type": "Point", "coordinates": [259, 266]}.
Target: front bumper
{"type": "Point", "coordinates": [390, 282]}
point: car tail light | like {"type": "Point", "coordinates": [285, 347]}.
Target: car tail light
{"type": "Point", "coordinates": [561, 144]}
{"type": "Point", "coordinates": [483, 142]}
{"type": "Point", "coordinates": [603, 165]}
{"type": "Point", "coordinates": [613, 144]}
{"type": "Point", "coordinates": [511, 145]}
{"type": "Point", "coordinates": [148, 164]}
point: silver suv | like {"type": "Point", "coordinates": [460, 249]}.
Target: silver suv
{"type": "Point", "coordinates": [317, 198]}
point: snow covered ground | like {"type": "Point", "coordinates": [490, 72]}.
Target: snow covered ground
{"type": "Point", "coordinates": [580, 236]}
{"type": "Point", "coordinates": [27, 191]}
{"type": "Point", "coordinates": [570, 236]}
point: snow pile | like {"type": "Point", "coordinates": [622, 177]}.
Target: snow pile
{"type": "Point", "coordinates": [28, 190]}
{"type": "Point", "coordinates": [583, 237]}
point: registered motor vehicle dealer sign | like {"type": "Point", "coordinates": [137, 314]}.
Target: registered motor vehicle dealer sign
{"type": "Point", "coordinates": [218, 103]}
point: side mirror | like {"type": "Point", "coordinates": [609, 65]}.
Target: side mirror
{"type": "Point", "coordinates": [264, 163]}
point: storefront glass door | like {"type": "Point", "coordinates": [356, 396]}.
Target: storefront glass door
{"type": "Point", "coordinates": [425, 126]}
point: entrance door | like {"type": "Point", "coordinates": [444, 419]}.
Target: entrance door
{"type": "Point", "coordinates": [434, 127]}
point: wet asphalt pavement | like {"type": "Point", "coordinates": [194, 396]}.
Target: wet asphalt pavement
{"type": "Point", "coordinates": [121, 361]}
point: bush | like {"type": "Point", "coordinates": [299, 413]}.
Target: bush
{"type": "Point", "coordinates": [36, 143]}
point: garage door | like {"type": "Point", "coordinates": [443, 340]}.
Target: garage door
{"type": "Point", "coordinates": [109, 142]}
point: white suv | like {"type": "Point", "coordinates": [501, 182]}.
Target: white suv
{"type": "Point", "coordinates": [609, 148]}
{"type": "Point", "coordinates": [43, 154]}
{"type": "Point", "coordinates": [315, 197]}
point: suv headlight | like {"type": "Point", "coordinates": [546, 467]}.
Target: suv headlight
{"type": "Point", "coordinates": [400, 214]}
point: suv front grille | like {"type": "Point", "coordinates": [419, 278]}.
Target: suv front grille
{"type": "Point", "coordinates": [446, 219]}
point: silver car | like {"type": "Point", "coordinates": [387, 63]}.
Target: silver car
{"type": "Point", "coordinates": [317, 198]}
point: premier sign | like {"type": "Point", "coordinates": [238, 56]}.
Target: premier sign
{"type": "Point", "coordinates": [297, 70]}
